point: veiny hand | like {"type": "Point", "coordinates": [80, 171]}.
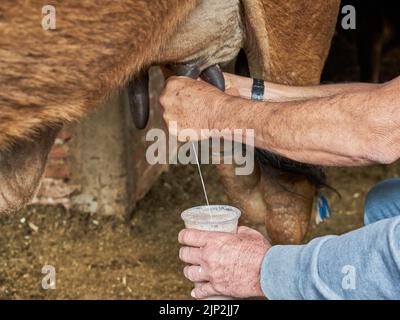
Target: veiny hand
{"type": "Point", "coordinates": [195, 104]}
{"type": "Point", "coordinates": [228, 263]}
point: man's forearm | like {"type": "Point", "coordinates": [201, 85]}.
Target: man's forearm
{"type": "Point", "coordinates": [345, 129]}
{"type": "Point", "coordinates": [278, 92]}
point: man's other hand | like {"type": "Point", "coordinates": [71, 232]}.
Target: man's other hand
{"type": "Point", "coordinates": [228, 264]}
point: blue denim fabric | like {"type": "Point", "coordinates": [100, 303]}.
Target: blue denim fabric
{"type": "Point", "coordinates": [362, 264]}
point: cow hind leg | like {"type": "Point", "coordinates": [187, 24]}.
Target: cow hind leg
{"type": "Point", "coordinates": [285, 47]}
{"type": "Point", "coordinates": [245, 193]}
{"type": "Point", "coordinates": [276, 202]}
{"type": "Point", "coordinates": [289, 200]}
{"type": "Point", "coordinates": [277, 198]}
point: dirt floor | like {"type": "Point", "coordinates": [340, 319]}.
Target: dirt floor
{"type": "Point", "coordinates": [106, 259]}
{"type": "Point", "coordinates": [102, 258]}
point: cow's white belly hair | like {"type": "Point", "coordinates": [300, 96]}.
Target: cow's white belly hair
{"type": "Point", "coordinates": [213, 33]}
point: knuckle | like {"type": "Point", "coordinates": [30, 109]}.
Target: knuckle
{"type": "Point", "coordinates": [188, 273]}
{"type": "Point", "coordinates": [201, 292]}
{"type": "Point", "coordinates": [191, 274]}
{"type": "Point", "coordinates": [184, 253]}
{"type": "Point", "coordinates": [186, 236]}
{"type": "Point", "coordinates": [203, 255]}
{"type": "Point", "coordinates": [163, 98]}
{"type": "Point", "coordinates": [212, 278]}
{"type": "Point", "coordinates": [190, 253]}
{"type": "Point", "coordinates": [172, 83]}
{"type": "Point", "coordinates": [212, 259]}
{"type": "Point", "coordinates": [219, 287]}
{"type": "Point", "coordinates": [216, 276]}
{"type": "Point", "coordinates": [207, 254]}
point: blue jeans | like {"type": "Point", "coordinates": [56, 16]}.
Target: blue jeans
{"type": "Point", "coordinates": [362, 264]}
{"type": "Point", "coordinates": [383, 201]}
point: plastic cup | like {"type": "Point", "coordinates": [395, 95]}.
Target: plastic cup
{"type": "Point", "coordinates": [220, 218]}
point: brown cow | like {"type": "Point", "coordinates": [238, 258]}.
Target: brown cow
{"type": "Point", "coordinates": [49, 78]}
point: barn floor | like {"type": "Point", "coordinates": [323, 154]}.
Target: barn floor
{"type": "Point", "coordinates": [102, 258]}
{"type": "Point", "coordinates": [105, 259]}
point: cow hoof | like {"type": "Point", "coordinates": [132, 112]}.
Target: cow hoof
{"type": "Point", "coordinates": [289, 199]}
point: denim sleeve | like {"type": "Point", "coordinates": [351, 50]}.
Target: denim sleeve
{"type": "Point", "coordinates": [362, 264]}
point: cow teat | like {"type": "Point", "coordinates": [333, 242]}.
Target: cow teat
{"type": "Point", "coordinates": [139, 100]}
{"type": "Point", "coordinates": [213, 74]}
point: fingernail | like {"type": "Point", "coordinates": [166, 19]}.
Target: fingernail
{"type": "Point", "coordinates": [193, 294]}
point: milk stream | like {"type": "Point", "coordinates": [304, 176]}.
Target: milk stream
{"type": "Point", "coordinates": [201, 178]}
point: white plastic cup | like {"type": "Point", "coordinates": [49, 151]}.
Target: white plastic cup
{"type": "Point", "coordinates": [220, 218]}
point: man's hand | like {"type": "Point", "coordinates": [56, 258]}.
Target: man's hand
{"type": "Point", "coordinates": [194, 104]}
{"type": "Point", "coordinates": [229, 264]}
